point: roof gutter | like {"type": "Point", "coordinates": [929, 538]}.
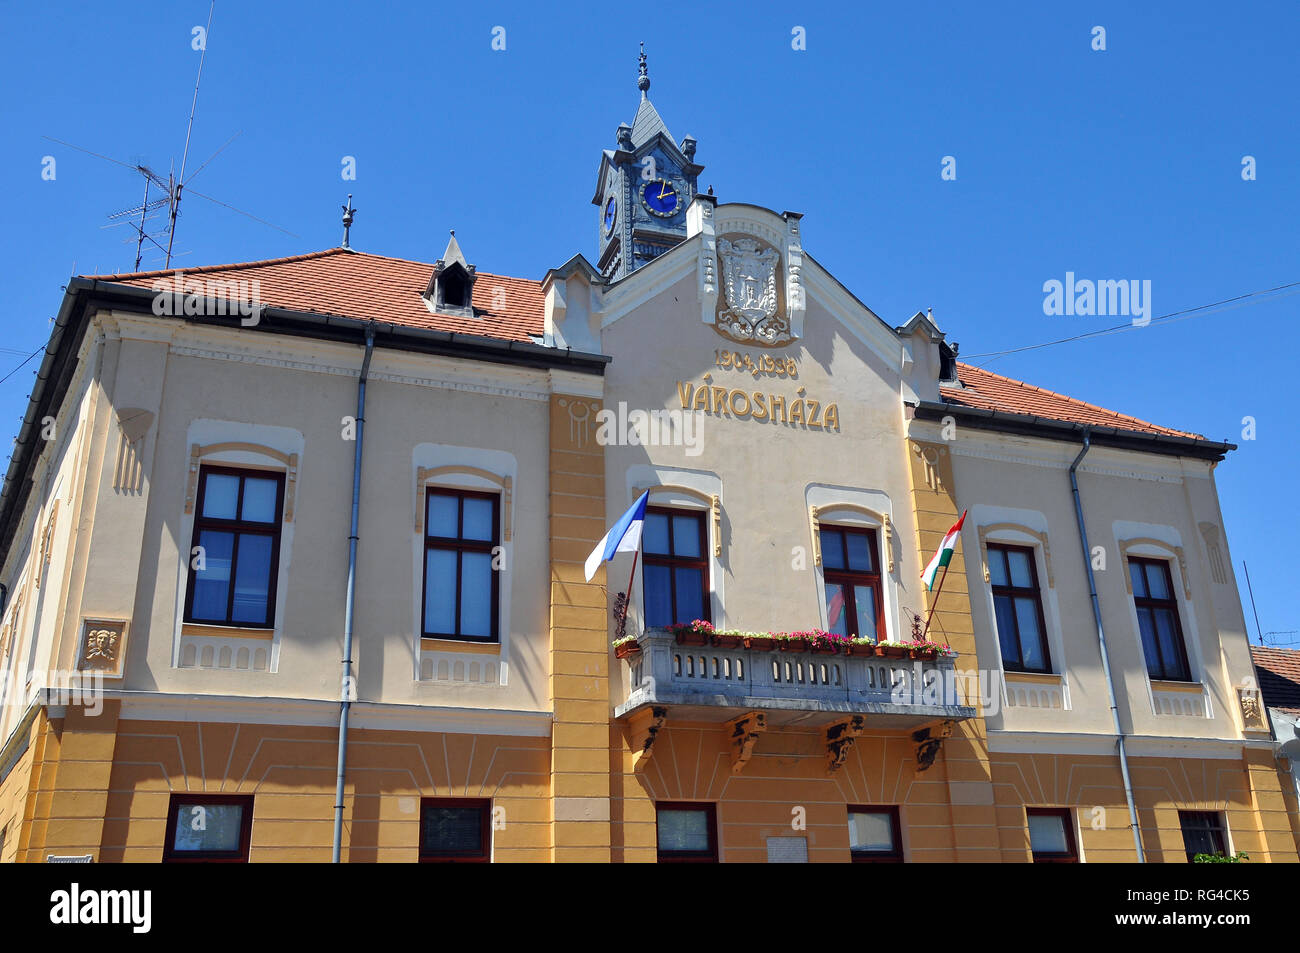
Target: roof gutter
{"type": "Point", "coordinates": [1049, 428]}
{"type": "Point", "coordinates": [1101, 644]}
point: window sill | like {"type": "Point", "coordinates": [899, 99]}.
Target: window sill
{"type": "Point", "coordinates": [1041, 690]}
{"type": "Point", "coordinates": [226, 631]}
{"type": "Point", "coordinates": [1163, 685]}
{"type": "Point", "coordinates": [455, 645]}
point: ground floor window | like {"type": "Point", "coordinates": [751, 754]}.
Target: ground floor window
{"type": "Point", "coordinates": [1051, 835]}
{"type": "Point", "coordinates": [1204, 832]}
{"type": "Point", "coordinates": [688, 832]}
{"type": "Point", "coordinates": [875, 835]}
{"type": "Point", "coordinates": [455, 830]}
{"type": "Point", "coordinates": [208, 827]}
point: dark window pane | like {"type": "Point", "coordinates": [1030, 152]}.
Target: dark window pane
{"type": "Point", "coordinates": [1170, 651]}
{"type": "Point", "coordinates": [212, 583]}
{"type": "Point", "coordinates": [1147, 627]}
{"type": "Point", "coordinates": [259, 500]}
{"type": "Point", "coordinates": [442, 519]}
{"type": "Point", "coordinates": [1047, 834]}
{"type": "Point", "coordinates": [683, 830]}
{"type": "Point", "coordinates": [1137, 578]}
{"type": "Point", "coordinates": [864, 600]}
{"type": "Point", "coordinates": [221, 496]}
{"type": "Point", "coordinates": [476, 594]}
{"type": "Point", "coordinates": [1156, 581]}
{"type": "Point", "coordinates": [690, 594]}
{"type": "Point", "coordinates": [1006, 614]}
{"type": "Point", "coordinates": [871, 830]}
{"type": "Point", "coordinates": [654, 534]}
{"type": "Point", "coordinates": [836, 617]}
{"type": "Point", "coordinates": [1031, 642]}
{"type": "Point", "coordinates": [208, 827]}
{"type": "Point", "coordinates": [252, 579]}
{"type": "Point", "coordinates": [658, 596]}
{"type": "Point", "coordinates": [440, 591]}
{"type": "Point", "coordinates": [859, 552]}
{"type": "Point", "coordinates": [1018, 561]}
{"type": "Point", "coordinates": [998, 567]}
{"type": "Point", "coordinates": [478, 519]}
{"type": "Point", "coordinates": [451, 830]}
{"type": "Point", "coordinates": [686, 536]}
{"type": "Point", "coordinates": [832, 549]}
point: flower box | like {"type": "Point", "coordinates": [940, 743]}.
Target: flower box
{"type": "Point", "coordinates": [855, 649]}
{"type": "Point", "coordinates": [629, 649]}
{"type": "Point", "coordinates": [925, 655]}
{"type": "Point", "coordinates": [793, 645]}
{"type": "Point", "coordinates": [727, 640]}
{"type": "Point", "coordinates": [824, 648]}
{"type": "Point", "coordinates": [691, 637]}
{"type": "Point", "coordinates": [760, 643]}
{"type": "Point", "coordinates": [893, 651]}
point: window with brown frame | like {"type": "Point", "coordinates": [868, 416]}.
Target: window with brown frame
{"type": "Point", "coordinates": [1158, 622]}
{"type": "Point", "coordinates": [1051, 835]}
{"type": "Point", "coordinates": [235, 549]}
{"type": "Point", "coordinates": [851, 568]}
{"type": "Point", "coordinates": [208, 828]}
{"type": "Point", "coordinates": [455, 830]}
{"type": "Point", "coordinates": [674, 566]}
{"type": "Point", "coordinates": [875, 835]}
{"type": "Point", "coordinates": [1204, 832]}
{"type": "Point", "coordinates": [1018, 609]}
{"type": "Point", "coordinates": [461, 578]}
{"type": "Point", "coordinates": [687, 832]}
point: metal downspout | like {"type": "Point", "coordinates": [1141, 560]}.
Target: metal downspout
{"type": "Point", "coordinates": [347, 691]}
{"type": "Point", "coordinates": [1105, 656]}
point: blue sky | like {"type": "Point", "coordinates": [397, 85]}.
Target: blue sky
{"type": "Point", "coordinates": [1123, 163]}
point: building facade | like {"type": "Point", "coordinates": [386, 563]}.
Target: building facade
{"type": "Point", "coordinates": [179, 584]}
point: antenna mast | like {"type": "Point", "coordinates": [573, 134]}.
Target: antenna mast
{"type": "Point", "coordinates": [180, 180]}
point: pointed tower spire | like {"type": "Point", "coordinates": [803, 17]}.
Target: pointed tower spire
{"type": "Point", "coordinates": [643, 77]}
{"type": "Point", "coordinates": [453, 252]}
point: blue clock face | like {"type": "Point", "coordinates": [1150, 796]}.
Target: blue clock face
{"type": "Point", "coordinates": [611, 213]}
{"type": "Point", "coordinates": [660, 197]}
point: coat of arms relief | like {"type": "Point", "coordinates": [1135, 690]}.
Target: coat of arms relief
{"type": "Point", "coordinates": [749, 312]}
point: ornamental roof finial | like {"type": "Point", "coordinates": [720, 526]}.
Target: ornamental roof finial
{"type": "Point", "coordinates": [643, 79]}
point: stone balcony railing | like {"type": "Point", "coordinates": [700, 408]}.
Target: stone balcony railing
{"type": "Point", "coordinates": [708, 683]}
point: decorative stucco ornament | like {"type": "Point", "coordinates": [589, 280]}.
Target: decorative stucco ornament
{"type": "Point", "coordinates": [749, 281]}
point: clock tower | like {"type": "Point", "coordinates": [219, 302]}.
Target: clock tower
{"type": "Point", "coordinates": [643, 190]}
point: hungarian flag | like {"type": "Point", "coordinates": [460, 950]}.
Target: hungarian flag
{"type": "Point", "coordinates": [944, 556]}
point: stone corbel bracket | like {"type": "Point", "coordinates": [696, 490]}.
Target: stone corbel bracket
{"type": "Point", "coordinates": [425, 474]}
{"type": "Point", "coordinates": [742, 733]}
{"type": "Point", "coordinates": [986, 531]}
{"type": "Point", "coordinates": [930, 455]}
{"type": "Point", "coordinates": [886, 525]}
{"type": "Point", "coordinates": [290, 461]}
{"type": "Point", "coordinates": [643, 729]}
{"type": "Point", "coordinates": [840, 738]}
{"type": "Point", "coordinates": [1126, 545]}
{"type": "Point", "coordinates": [928, 742]}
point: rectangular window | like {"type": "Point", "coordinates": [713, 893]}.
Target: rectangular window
{"type": "Point", "coordinates": [461, 574]}
{"type": "Point", "coordinates": [851, 568]}
{"type": "Point", "coordinates": [675, 566]}
{"type": "Point", "coordinates": [213, 828]}
{"type": "Point", "coordinates": [455, 830]}
{"type": "Point", "coordinates": [1158, 622]}
{"type": "Point", "coordinates": [875, 835]}
{"type": "Point", "coordinates": [687, 831]}
{"type": "Point", "coordinates": [1018, 609]}
{"type": "Point", "coordinates": [237, 527]}
{"type": "Point", "coordinates": [1204, 832]}
{"type": "Point", "coordinates": [1051, 835]}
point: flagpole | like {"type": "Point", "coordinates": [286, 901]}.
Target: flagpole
{"type": "Point", "coordinates": [935, 601]}
{"type": "Point", "coordinates": [628, 601]}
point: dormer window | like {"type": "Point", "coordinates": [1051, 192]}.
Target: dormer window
{"type": "Point", "coordinates": [451, 287]}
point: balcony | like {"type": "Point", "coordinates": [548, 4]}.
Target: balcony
{"type": "Point", "coordinates": [710, 683]}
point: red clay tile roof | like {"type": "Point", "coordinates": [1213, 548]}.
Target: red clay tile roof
{"type": "Point", "coordinates": [1279, 677]}
{"type": "Point", "coordinates": [989, 391]}
{"type": "Point", "coordinates": [359, 285]}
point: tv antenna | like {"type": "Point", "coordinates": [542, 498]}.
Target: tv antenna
{"type": "Point", "coordinates": [173, 186]}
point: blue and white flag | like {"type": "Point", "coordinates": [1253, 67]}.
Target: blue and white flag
{"type": "Point", "coordinates": [624, 537]}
